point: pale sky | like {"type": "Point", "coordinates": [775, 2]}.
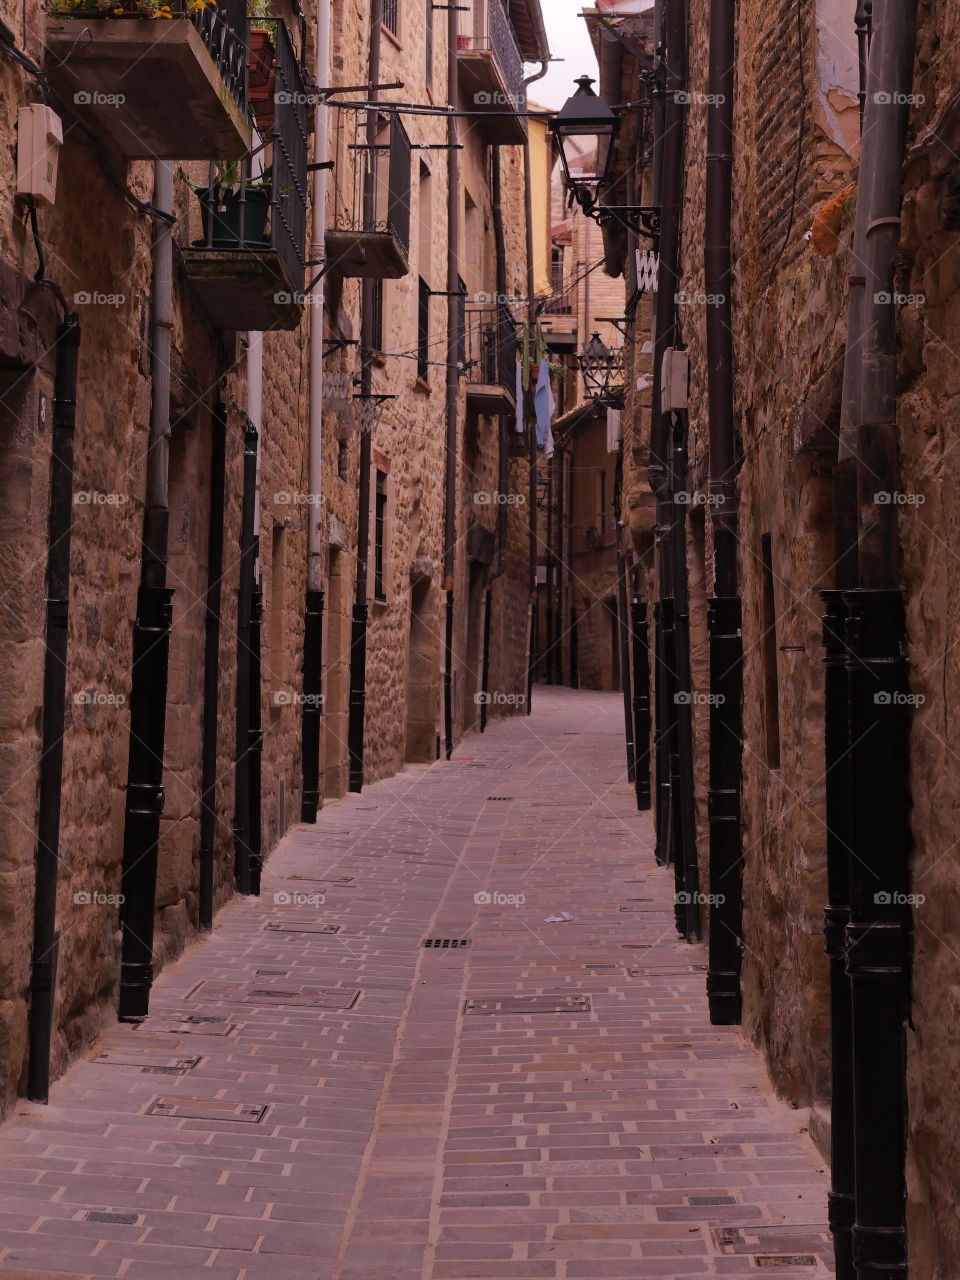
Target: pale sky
{"type": "Point", "coordinates": [567, 33]}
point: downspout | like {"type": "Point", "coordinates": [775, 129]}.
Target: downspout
{"type": "Point", "coordinates": [454, 306]}
{"type": "Point", "coordinates": [641, 691]}
{"type": "Point", "coordinates": [312, 708]}
{"type": "Point", "coordinates": [559, 527]}
{"type": "Point", "coordinates": [242, 827]}
{"type": "Point", "coordinates": [623, 629]}
{"type": "Point", "coordinates": [361, 609]}
{"type": "Point", "coordinates": [879, 932]}
{"type": "Point", "coordinates": [151, 645]}
{"type": "Point", "coordinates": [211, 669]}
{"type": "Point", "coordinates": [571, 583]}
{"type": "Point", "coordinates": [46, 936]}
{"type": "Point", "coordinates": [668, 180]}
{"type": "Point", "coordinates": [724, 614]}
{"type": "Point", "coordinates": [533, 621]}
{"type": "Point", "coordinates": [841, 1199]}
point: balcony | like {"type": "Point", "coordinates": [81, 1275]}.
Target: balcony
{"type": "Point", "coordinates": [379, 248]}
{"type": "Point", "coordinates": [248, 266]}
{"type": "Point", "coordinates": [158, 89]}
{"type": "Point", "coordinates": [491, 361]}
{"type": "Point", "coordinates": [491, 74]}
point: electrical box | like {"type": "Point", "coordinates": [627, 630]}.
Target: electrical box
{"type": "Point", "coordinates": [39, 139]}
{"type": "Point", "coordinates": [674, 379]}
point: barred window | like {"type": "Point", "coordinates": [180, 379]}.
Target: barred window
{"type": "Point", "coordinates": [391, 16]}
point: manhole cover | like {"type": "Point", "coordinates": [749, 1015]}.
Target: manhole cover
{"type": "Point", "coordinates": [304, 997]}
{"type": "Point", "coordinates": [278, 926]}
{"type": "Point", "coordinates": [785, 1260]}
{"type": "Point", "coordinates": [446, 943]}
{"type": "Point", "coordinates": [118, 1219]}
{"type": "Point", "coordinates": [709, 1200]}
{"type": "Point", "coordinates": [146, 1061]}
{"type": "Point", "coordinates": [529, 1004]}
{"type": "Point", "coordinates": [207, 1109]}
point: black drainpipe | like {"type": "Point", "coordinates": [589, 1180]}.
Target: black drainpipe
{"type": "Point", "coordinates": [724, 610]}
{"type": "Point", "coordinates": [641, 691]}
{"type": "Point", "coordinates": [211, 669]}
{"type": "Point", "coordinates": [571, 583]}
{"type": "Point", "coordinates": [255, 736]}
{"type": "Point", "coordinates": [151, 648]}
{"type": "Point", "coordinates": [46, 936]}
{"type": "Point", "coordinates": [623, 625]}
{"type": "Point", "coordinates": [669, 117]}
{"type": "Point", "coordinates": [312, 710]}
{"type": "Point", "coordinates": [485, 666]}
{"type": "Point", "coordinates": [361, 610]}
{"type": "Point", "coordinates": [454, 305]}
{"type": "Point", "coordinates": [243, 805]}
{"type": "Point", "coordinates": [880, 929]}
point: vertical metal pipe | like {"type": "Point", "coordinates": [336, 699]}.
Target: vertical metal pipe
{"type": "Point", "coordinates": [243, 853]}
{"type": "Point", "coordinates": [151, 645]}
{"type": "Point", "coordinates": [841, 1199]}
{"type": "Point", "coordinates": [255, 738]}
{"type": "Point", "coordinates": [454, 311]}
{"type": "Point", "coordinates": [485, 664]}
{"type": "Point", "coordinates": [361, 610]}
{"type": "Point", "coordinates": [623, 632]}
{"type": "Point", "coordinates": [43, 974]}
{"type": "Point", "coordinates": [641, 691]}
{"type": "Point", "coordinates": [311, 711]}
{"type": "Point", "coordinates": [724, 611]}
{"type": "Point", "coordinates": [211, 668]}
{"type": "Point", "coordinates": [571, 582]}
{"type": "Point", "coordinates": [558, 574]}
{"type": "Point", "coordinates": [683, 795]}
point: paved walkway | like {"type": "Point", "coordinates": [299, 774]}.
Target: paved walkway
{"type": "Point", "coordinates": [548, 1101]}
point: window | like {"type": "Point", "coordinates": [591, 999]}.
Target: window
{"type": "Point", "coordinates": [343, 457]}
{"type": "Point", "coordinates": [380, 522]}
{"type": "Point", "coordinates": [423, 332]}
{"type": "Point", "coordinates": [771, 679]}
{"type": "Point", "coordinates": [426, 229]}
{"type": "Point", "coordinates": [391, 16]}
{"type": "Point", "coordinates": [461, 304]}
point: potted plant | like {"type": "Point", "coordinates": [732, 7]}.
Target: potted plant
{"type": "Point", "coordinates": [261, 65]}
{"type": "Point", "coordinates": [127, 8]}
{"type": "Point", "coordinates": [230, 222]}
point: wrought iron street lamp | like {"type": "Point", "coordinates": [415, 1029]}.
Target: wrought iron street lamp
{"type": "Point", "coordinates": [602, 370]}
{"type": "Point", "coordinates": [586, 130]}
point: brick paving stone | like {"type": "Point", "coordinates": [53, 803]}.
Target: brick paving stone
{"type": "Point", "coordinates": [404, 1138]}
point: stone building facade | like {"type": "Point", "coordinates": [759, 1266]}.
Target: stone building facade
{"type": "Point", "coordinates": [235, 461]}
{"type": "Point", "coordinates": [796, 268]}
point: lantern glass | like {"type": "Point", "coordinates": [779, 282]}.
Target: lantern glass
{"type": "Point", "coordinates": [586, 129]}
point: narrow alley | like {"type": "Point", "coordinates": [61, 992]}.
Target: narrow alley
{"type": "Point", "coordinates": [322, 1089]}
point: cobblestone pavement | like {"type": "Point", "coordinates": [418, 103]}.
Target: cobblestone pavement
{"type": "Point", "coordinates": [548, 1100]}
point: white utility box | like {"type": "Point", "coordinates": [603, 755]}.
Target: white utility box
{"type": "Point", "coordinates": [39, 139]}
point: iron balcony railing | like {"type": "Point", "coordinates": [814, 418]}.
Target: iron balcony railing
{"type": "Point", "coordinates": [248, 211]}
{"type": "Point", "coordinates": [224, 30]}
{"type": "Point", "coordinates": [495, 32]}
{"type": "Point", "coordinates": [491, 347]}
{"type": "Point", "coordinates": [388, 166]}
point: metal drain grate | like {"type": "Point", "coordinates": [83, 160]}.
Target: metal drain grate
{"type": "Point", "coordinates": [529, 1004]}
{"type": "Point", "coordinates": [305, 997]}
{"type": "Point", "coordinates": [146, 1061]}
{"type": "Point", "coordinates": [321, 879]}
{"type": "Point", "coordinates": [165, 1071]}
{"type": "Point", "coordinates": [199, 1026]}
{"type": "Point", "coordinates": [118, 1219]}
{"type": "Point", "coordinates": [499, 797]}
{"type": "Point", "coordinates": [207, 1109]}
{"type": "Point", "coordinates": [710, 1200]}
{"type": "Point", "coordinates": [272, 973]}
{"type": "Point", "coordinates": [785, 1260]}
{"type": "Point", "coordinates": [443, 944]}
{"type": "Point", "coordinates": [278, 926]}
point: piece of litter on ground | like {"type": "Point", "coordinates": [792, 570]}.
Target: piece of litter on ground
{"type": "Point", "coordinates": [561, 917]}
